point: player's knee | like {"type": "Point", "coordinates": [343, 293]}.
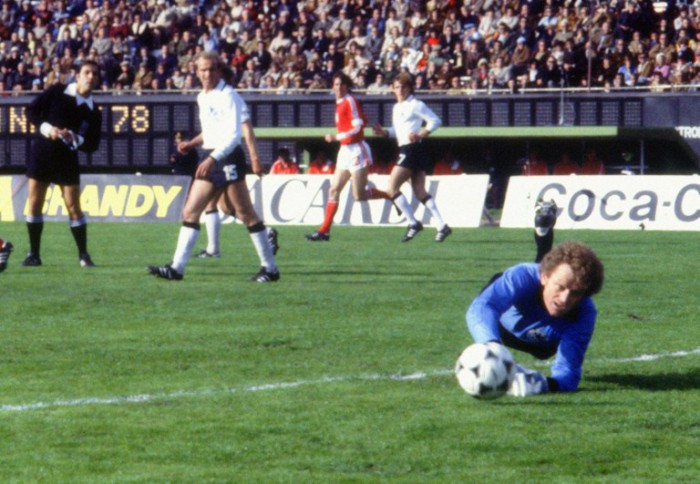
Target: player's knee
{"type": "Point", "coordinates": [247, 216]}
{"type": "Point", "coordinates": [189, 215]}
{"type": "Point", "coordinates": [360, 195]}
{"type": "Point", "coordinates": [333, 193]}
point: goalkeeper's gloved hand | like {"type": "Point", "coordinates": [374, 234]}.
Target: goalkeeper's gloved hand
{"type": "Point", "coordinates": [527, 382]}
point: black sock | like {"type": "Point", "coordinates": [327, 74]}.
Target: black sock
{"type": "Point", "coordinates": [35, 229]}
{"type": "Point", "coordinates": [80, 236]}
{"type": "Point", "coordinates": [544, 244]}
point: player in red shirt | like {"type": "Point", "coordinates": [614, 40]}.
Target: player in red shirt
{"type": "Point", "coordinates": [354, 156]}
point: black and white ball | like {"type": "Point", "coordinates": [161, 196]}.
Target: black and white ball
{"type": "Point", "coordinates": [485, 370]}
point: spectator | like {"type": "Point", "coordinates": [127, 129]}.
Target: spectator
{"type": "Point", "coordinates": [602, 38]}
{"type": "Point", "coordinates": [143, 78]}
{"type": "Point", "coordinates": [351, 70]}
{"type": "Point", "coordinates": [229, 43]}
{"type": "Point", "coordinates": [161, 78]}
{"type": "Point", "coordinates": [320, 41]}
{"type": "Point", "coordinates": [167, 58]}
{"type": "Point", "coordinates": [618, 52]}
{"type": "Point", "coordinates": [487, 25]}
{"type": "Point", "coordinates": [208, 42]}
{"type": "Point", "coordinates": [520, 57]}
{"type": "Point", "coordinates": [184, 45]}
{"type": "Point", "coordinates": [645, 68]}
{"type": "Point", "coordinates": [320, 164]}
{"type": "Point", "coordinates": [342, 23]}
{"type": "Point", "coordinates": [262, 58]}
{"type": "Point", "coordinates": [661, 66]}
{"type": "Point", "coordinates": [628, 71]}
{"type": "Point", "coordinates": [104, 44]}
{"type": "Point", "coordinates": [294, 56]}
{"type": "Point", "coordinates": [565, 166]}
{"type": "Point", "coordinates": [23, 78]}
{"type": "Point", "coordinates": [379, 86]}
{"type": "Point", "coordinates": [394, 38]}
{"type": "Point", "coordinates": [251, 75]}
{"type": "Point", "coordinates": [605, 72]}
{"type": "Point", "coordinates": [67, 60]}
{"type": "Point", "coordinates": [534, 165]}
{"type": "Point", "coordinates": [663, 47]}
{"type": "Point", "coordinates": [449, 44]}
{"type": "Point", "coordinates": [144, 56]}
{"type": "Point", "coordinates": [378, 22]}
{"type": "Point", "coordinates": [373, 44]}
{"type": "Point", "coordinates": [445, 167]}
{"type": "Point", "coordinates": [126, 75]}
{"type": "Point", "coordinates": [636, 45]}
{"type": "Point", "coordinates": [284, 164]}
{"type": "Point", "coordinates": [499, 74]}
{"type": "Point", "coordinates": [65, 42]}
{"type": "Point", "coordinates": [481, 74]}
{"type": "Point", "coordinates": [592, 164]}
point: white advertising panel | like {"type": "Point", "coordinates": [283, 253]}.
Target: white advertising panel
{"type": "Point", "coordinates": [279, 199]}
{"type": "Point", "coordinates": [301, 200]}
{"type": "Point", "coordinates": [609, 202]}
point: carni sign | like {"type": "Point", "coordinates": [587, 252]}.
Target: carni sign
{"type": "Point", "coordinates": [106, 198]}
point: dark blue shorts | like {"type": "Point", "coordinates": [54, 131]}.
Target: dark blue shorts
{"type": "Point", "coordinates": [231, 169]}
{"type": "Point", "coordinates": [415, 157]}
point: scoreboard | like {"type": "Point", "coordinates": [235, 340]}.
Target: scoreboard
{"type": "Point", "coordinates": [138, 131]}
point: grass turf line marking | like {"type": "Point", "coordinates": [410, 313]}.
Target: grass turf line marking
{"type": "Point", "coordinates": [419, 375]}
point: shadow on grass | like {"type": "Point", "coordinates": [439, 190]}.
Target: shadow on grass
{"type": "Point", "coordinates": [662, 382]}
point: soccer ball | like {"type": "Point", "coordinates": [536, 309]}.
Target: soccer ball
{"type": "Point", "coordinates": [485, 370]}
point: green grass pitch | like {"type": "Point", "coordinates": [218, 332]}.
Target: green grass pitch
{"type": "Point", "coordinates": [342, 372]}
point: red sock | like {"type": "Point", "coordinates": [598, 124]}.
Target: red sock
{"type": "Point", "coordinates": [375, 194]}
{"type": "Point", "coordinates": [331, 209]}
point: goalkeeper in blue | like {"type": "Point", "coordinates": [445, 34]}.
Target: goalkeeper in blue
{"type": "Point", "coordinates": [545, 310]}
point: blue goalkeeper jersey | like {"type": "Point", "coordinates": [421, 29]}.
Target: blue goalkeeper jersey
{"type": "Point", "coordinates": [514, 301]}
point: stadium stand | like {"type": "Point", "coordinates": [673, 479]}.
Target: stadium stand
{"type": "Point", "coordinates": [294, 46]}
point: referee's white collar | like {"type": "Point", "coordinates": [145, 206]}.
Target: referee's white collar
{"type": "Point", "coordinates": [72, 90]}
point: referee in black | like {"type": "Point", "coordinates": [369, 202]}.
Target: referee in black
{"type": "Point", "coordinates": [67, 120]}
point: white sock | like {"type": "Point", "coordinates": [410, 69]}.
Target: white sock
{"type": "Point", "coordinates": [185, 243]}
{"type": "Point", "coordinates": [264, 250]}
{"type": "Point", "coordinates": [212, 221]}
{"type": "Point", "coordinates": [432, 206]}
{"type": "Point", "coordinates": [403, 205]}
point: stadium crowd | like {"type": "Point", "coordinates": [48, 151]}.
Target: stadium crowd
{"type": "Point", "coordinates": [287, 45]}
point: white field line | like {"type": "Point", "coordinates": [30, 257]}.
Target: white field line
{"type": "Point", "coordinates": [420, 375]}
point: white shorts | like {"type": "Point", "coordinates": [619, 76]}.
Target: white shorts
{"type": "Point", "coordinates": [354, 157]}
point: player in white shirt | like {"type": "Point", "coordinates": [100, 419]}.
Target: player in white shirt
{"type": "Point", "coordinates": [412, 121]}
{"type": "Point", "coordinates": [221, 115]}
